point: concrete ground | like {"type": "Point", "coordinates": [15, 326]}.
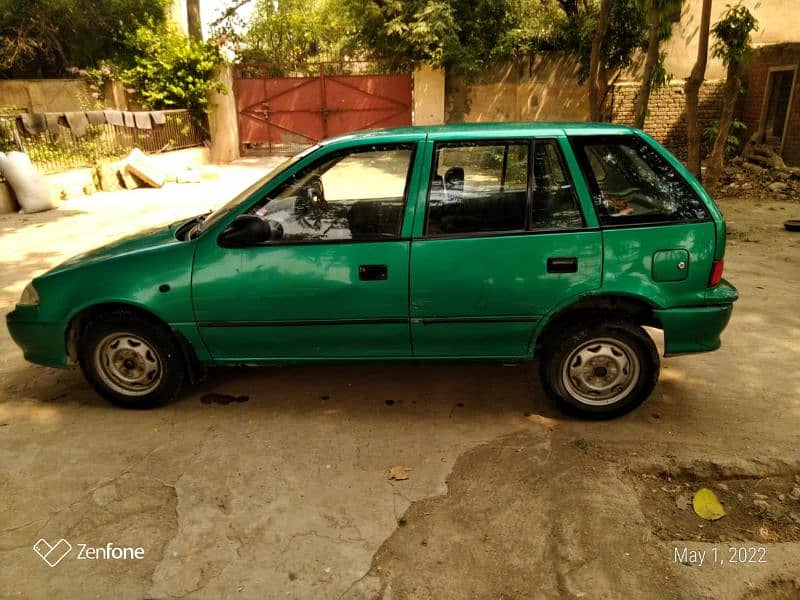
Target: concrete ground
{"type": "Point", "coordinates": [287, 494]}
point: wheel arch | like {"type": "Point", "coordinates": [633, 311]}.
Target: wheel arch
{"type": "Point", "coordinates": [629, 307]}
{"type": "Point", "coordinates": [77, 325]}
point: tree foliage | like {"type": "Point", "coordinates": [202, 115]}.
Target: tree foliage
{"type": "Point", "coordinates": [732, 33]}
{"type": "Point", "coordinates": [460, 34]}
{"type": "Point", "coordinates": [661, 15]}
{"type": "Point", "coordinates": [405, 33]}
{"type": "Point", "coordinates": [44, 38]}
{"type": "Point", "coordinates": [294, 31]}
{"type": "Point", "coordinates": [732, 45]}
{"type": "Point", "coordinates": [169, 70]}
{"type": "Point", "coordinates": [626, 35]}
{"type": "Point", "coordinates": [465, 36]}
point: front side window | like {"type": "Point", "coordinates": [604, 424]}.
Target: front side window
{"type": "Point", "coordinates": [632, 183]}
{"type": "Point", "coordinates": [478, 187]}
{"type": "Point", "coordinates": [354, 195]}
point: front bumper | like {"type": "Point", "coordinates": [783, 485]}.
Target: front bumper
{"type": "Point", "coordinates": [698, 328]}
{"type": "Point", "coordinates": [41, 342]}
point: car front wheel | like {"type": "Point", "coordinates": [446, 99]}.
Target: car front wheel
{"type": "Point", "coordinates": [602, 370]}
{"type": "Point", "coordinates": [131, 361]}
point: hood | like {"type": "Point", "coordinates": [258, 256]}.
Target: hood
{"type": "Point", "coordinates": [143, 241]}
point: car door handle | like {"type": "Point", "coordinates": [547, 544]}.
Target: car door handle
{"type": "Point", "coordinates": [373, 272]}
{"type": "Point", "coordinates": [562, 264]}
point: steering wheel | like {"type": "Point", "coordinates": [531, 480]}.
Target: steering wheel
{"type": "Point", "coordinates": [276, 231]}
{"type": "Point", "coordinates": [316, 195]}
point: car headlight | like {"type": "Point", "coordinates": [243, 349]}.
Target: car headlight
{"type": "Point", "coordinates": [30, 297]}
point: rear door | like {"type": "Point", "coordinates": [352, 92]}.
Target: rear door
{"type": "Point", "coordinates": [501, 241]}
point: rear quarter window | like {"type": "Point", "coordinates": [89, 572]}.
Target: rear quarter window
{"type": "Point", "coordinates": [631, 182]}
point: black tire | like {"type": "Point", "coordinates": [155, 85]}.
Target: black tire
{"type": "Point", "coordinates": [119, 344]}
{"type": "Point", "coordinates": [627, 363]}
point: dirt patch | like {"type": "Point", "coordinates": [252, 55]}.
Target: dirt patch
{"type": "Point", "coordinates": [764, 510]}
{"type": "Point", "coordinates": [528, 515]}
{"type": "Point", "coordinates": [781, 588]}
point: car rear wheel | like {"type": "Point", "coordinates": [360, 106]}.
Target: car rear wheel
{"type": "Point", "coordinates": [602, 370]}
{"type": "Point", "coordinates": [131, 361]}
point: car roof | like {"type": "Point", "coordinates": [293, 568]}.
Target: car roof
{"type": "Point", "coordinates": [461, 131]}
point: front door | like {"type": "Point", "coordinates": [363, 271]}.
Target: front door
{"type": "Point", "coordinates": [499, 248]}
{"type": "Point", "coordinates": [332, 282]}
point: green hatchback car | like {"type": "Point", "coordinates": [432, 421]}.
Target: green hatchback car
{"type": "Point", "coordinates": [483, 242]}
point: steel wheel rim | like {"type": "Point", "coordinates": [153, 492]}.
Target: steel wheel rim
{"type": "Point", "coordinates": [601, 371]}
{"type": "Point", "coordinates": [128, 364]}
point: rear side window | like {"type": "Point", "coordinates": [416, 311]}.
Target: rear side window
{"type": "Point", "coordinates": [554, 205]}
{"type": "Point", "coordinates": [632, 183]}
{"type": "Point", "coordinates": [478, 188]}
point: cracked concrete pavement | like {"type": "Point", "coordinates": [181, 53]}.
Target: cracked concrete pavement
{"type": "Point", "coordinates": [287, 495]}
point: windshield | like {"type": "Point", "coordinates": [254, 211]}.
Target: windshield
{"type": "Point", "coordinates": [223, 210]}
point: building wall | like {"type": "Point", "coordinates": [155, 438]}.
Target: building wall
{"type": "Point", "coordinates": [666, 118]}
{"type": "Point", "coordinates": [778, 22]}
{"type": "Point", "coordinates": [541, 88]}
{"type": "Point", "coordinates": [44, 95]}
{"type": "Point", "coordinates": [223, 120]}
{"type": "Point", "coordinates": [546, 89]}
{"type": "Point", "coordinates": [756, 75]}
{"type": "Point", "coordinates": [428, 96]}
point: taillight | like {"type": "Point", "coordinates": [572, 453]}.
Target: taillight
{"type": "Point", "coordinates": [716, 272]}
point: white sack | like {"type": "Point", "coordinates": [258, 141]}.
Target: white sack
{"type": "Point", "coordinates": [30, 187]}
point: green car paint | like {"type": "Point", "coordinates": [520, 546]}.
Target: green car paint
{"type": "Point", "coordinates": [488, 296]}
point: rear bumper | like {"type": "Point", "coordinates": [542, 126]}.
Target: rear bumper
{"type": "Point", "coordinates": [698, 328]}
{"type": "Point", "coordinates": [41, 342]}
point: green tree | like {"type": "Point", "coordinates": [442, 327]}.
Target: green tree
{"type": "Point", "coordinates": [732, 34]}
{"type": "Point", "coordinates": [405, 34]}
{"type": "Point", "coordinates": [692, 90]}
{"type": "Point", "coordinates": [598, 81]}
{"type": "Point", "coordinates": [295, 31]}
{"type": "Point", "coordinates": [461, 35]}
{"type": "Point", "coordinates": [169, 70]}
{"type": "Point", "coordinates": [44, 38]}
{"type": "Point", "coordinates": [533, 26]}
{"type": "Point", "coordinates": [603, 50]}
{"type": "Point", "coordinates": [661, 14]}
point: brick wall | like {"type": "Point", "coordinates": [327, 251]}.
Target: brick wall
{"type": "Point", "coordinates": [756, 73]}
{"type": "Point", "coordinates": [666, 119]}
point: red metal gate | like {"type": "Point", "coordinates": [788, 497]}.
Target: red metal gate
{"type": "Point", "coordinates": [285, 113]}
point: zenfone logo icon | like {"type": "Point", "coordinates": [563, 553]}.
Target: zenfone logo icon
{"type": "Point", "coordinates": [52, 554]}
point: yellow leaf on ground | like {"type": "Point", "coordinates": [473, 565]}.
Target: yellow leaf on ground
{"type": "Point", "coordinates": [707, 505]}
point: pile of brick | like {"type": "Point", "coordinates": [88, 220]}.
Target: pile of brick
{"type": "Point", "coordinates": [760, 172]}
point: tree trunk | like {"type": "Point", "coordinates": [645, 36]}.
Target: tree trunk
{"type": "Point", "coordinates": [653, 47]}
{"type": "Point", "coordinates": [715, 162]}
{"type": "Point", "coordinates": [595, 91]}
{"type": "Point", "coordinates": [193, 22]}
{"type": "Point", "coordinates": [692, 90]}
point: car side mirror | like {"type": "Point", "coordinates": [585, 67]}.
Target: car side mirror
{"type": "Point", "coordinates": [246, 230]}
